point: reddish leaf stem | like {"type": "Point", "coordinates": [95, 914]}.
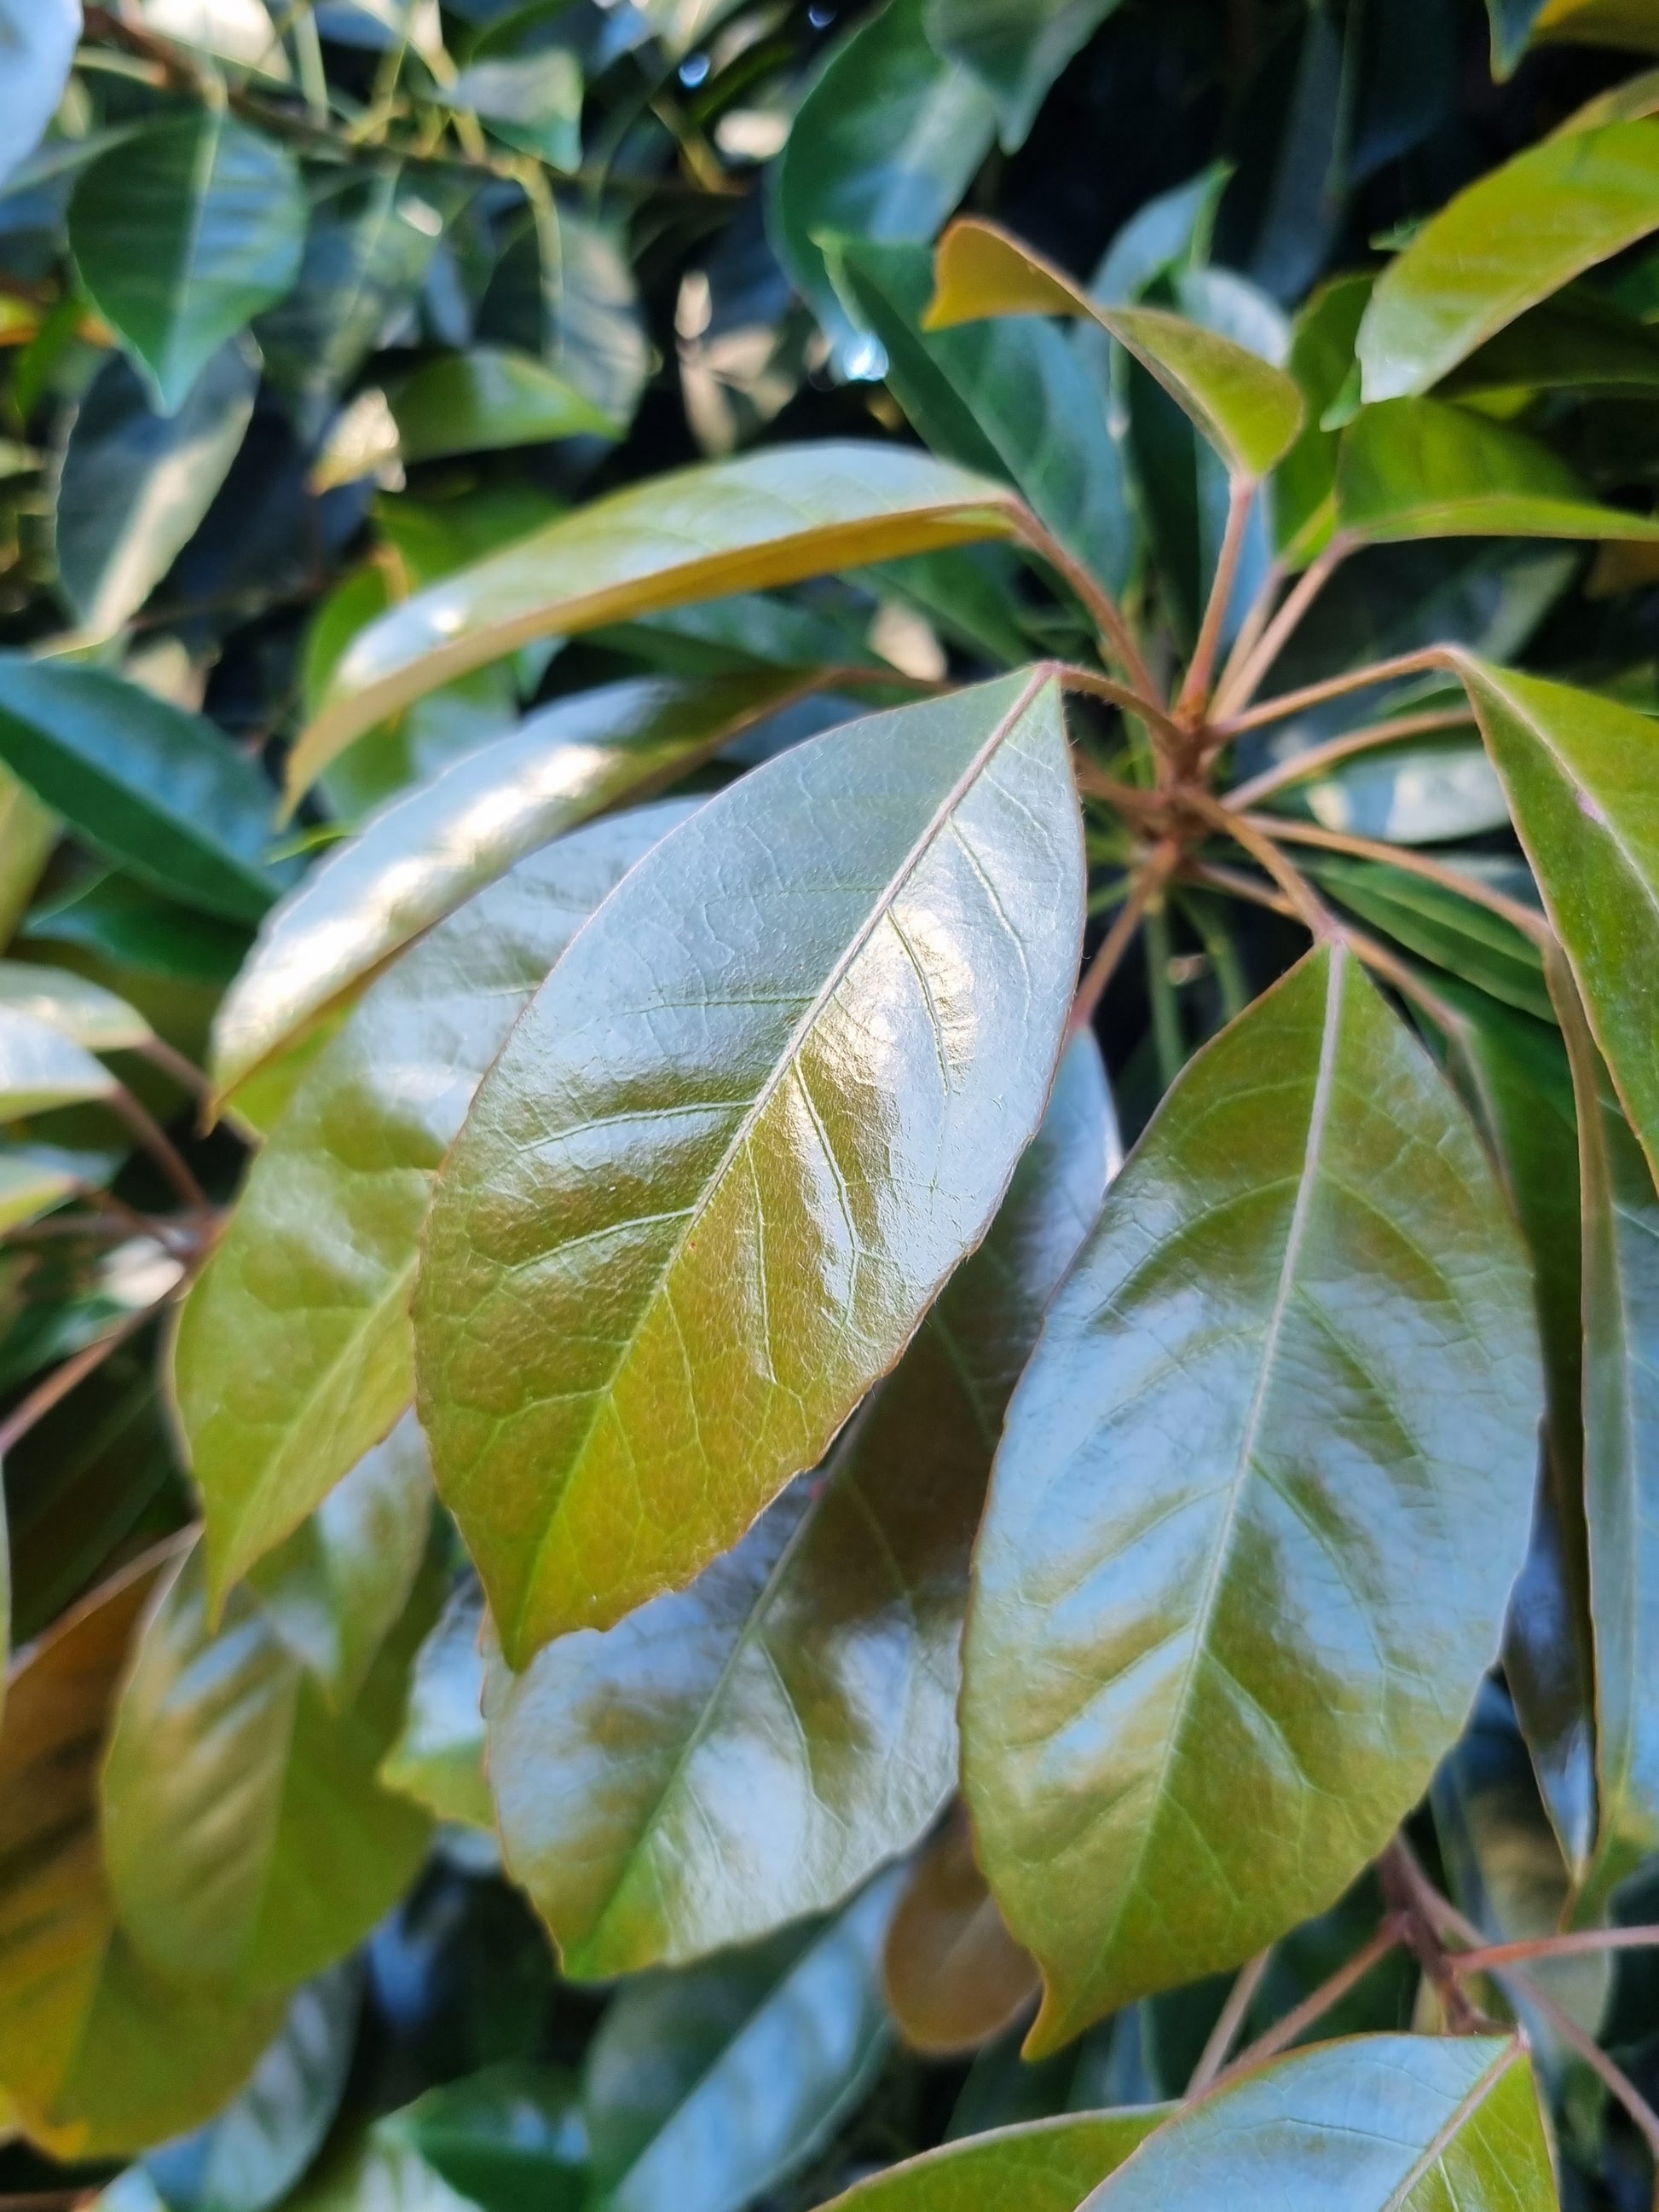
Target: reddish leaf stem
{"type": "Point", "coordinates": [1313, 2007]}
{"type": "Point", "coordinates": [1102, 606]}
{"type": "Point", "coordinates": [1238, 690]}
{"type": "Point", "coordinates": [1287, 703]}
{"type": "Point", "coordinates": [160, 1146]}
{"type": "Point", "coordinates": [1531, 925]}
{"type": "Point", "coordinates": [1224, 2033]}
{"type": "Point", "coordinates": [1159, 868]}
{"type": "Point", "coordinates": [1317, 759]}
{"type": "Point", "coordinates": [1241, 497]}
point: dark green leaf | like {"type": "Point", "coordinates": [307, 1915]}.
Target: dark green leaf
{"type": "Point", "coordinates": [510, 2139]}
{"type": "Point", "coordinates": [1015, 51]}
{"type": "Point", "coordinates": [1301, 1328]}
{"type": "Point", "coordinates": [1455, 934]}
{"type": "Point", "coordinates": [181, 235]}
{"type": "Point", "coordinates": [679, 1288]}
{"type": "Point", "coordinates": [1578, 343]}
{"type": "Point", "coordinates": [532, 102]}
{"type": "Point", "coordinates": [1046, 2165]}
{"type": "Point", "coordinates": [476, 402]}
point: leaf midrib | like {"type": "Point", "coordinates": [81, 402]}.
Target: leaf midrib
{"type": "Point", "coordinates": [1470, 2103]}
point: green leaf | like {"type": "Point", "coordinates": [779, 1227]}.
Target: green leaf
{"type": "Point", "coordinates": [790, 1719]}
{"type": "Point", "coordinates": [208, 1718]}
{"type": "Point", "coordinates": [41, 1067]}
{"type": "Point", "coordinates": [378, 2168]}
{"type": "Point", "coordinates": [954, 1976]}
{"type": "Point", "coordinates": [85, 1010]}
{"type": "Point", "coordinates": [1379, 2123]}
{"type": "Point", "coordinates": [1009, 398]}
{"type": "Point", "coordinates": [675, 1294]}
{"type": "Point", "coordinates": [159, 791]}
{"type": "Point", "coordinates": [479, 401]}
{"type": "Point", "coordinates": [1513, 237]}
{"type": "Point", "coordinates": [98, 2055]}
{"type": "Point", "coordinates": [1427, 918]}
{"type": "Point", "coordinates": [705, 2089]}
{"type": "Point", "coordinates": [1578, 343]}
{"type": "Point", "coordinates": [532, 102]}
{"type": "Point", "coordinates": [133, 485]}
{"type": "Point", "coordinates": [114, 920]}
{"type": "Point", "coordinates": [337, 1587]}
{"type": "Point", "coordinates": [1302, 1339]}
{"type": "Point", "coordinates": [1250, 411]}
{"type": "Point", "coordinates": [181, 235]}
{"type": "Point", "coordinates": [38, 40]}
{"type": "Point", "coordinates": [1422, 468]}
{"type": "Point", "coordinates": [1015, 51]}
{"type": "Point", "coordinates": [1578, 771]}
{"type": "Point", "coordinates": [883, 147]}
{"type": "Point", "coordinates": [438, 1758]}
{"type": "Point", "coordinates": [29, 1188]}
{"type": "Point", "coordinates": [28, 834]}
{"type": "Point", "coordinates": [293, 1353]}
{"type": "Point", "coordinates": [770, 518]}
{"type": "Point", "coordinates": [1408, 794]}
{"type": "Point", "coordinates": [509, 2139]}
{"type": "Point", "coordinates": [1321, 361]}
{"type": "Point", "coordinates": [1045, 2166]}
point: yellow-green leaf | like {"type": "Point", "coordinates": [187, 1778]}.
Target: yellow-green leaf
{"type": "Point", "coordinates": [1043, 2166]}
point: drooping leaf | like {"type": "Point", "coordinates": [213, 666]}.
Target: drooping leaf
{"type": "Point", "coordinates": [703, 2089]}
{"type": "Point", "coordinates": [706, 1253]}
{"type": "Point", "coordinates": [954, 1975]}
{"type": "Point", "coordinates": [294, 1354]}
{"type": "Point", "coordinates": [1249, 410]}
{"type": "Point", "coordinates": [790, 1718]}
{"type": "Point", "coordinates": [210, 1718]}
{"type": "Point", "coordinates": [486, 399]}
{"type": "Point", "coordinates": [1302, 1339]}
{"type": "Point", "coordinates": [42, 1067]}
{"type": "Point", "coordinates": [181, 235]}
{"type": "Point", "coordinates": [159, 791]}
{"type": "Point", "coordinates": [884, 145]}
{"type": "Point", "coordinates": [134, 485]}
{"type": "Point", "coordinates": [770, 518]}
{"type": "Point", "coordinates": [1509, 239]}
{"type": "Point", "coordinates": [1043, 2166]}
{"type": "Point", "coordinates": [438, 1758]}
{"type": "Point", "coordinates": [336, 1589]}
{"type": "Point", "coordinates": [1578, 771]}
{"type": "Point", "coordinates": [1007, 397]}
{"type": "Point", "coordinates": [1424, 468]}
{"type": "Point", "coordinates": [98, 2056]}
{"type": "Point", "coordinates": [1380, 2124]}
{"type": "Point", "coordinates": [510, 2139]}
{"type": "Point", "coordinates": [1015, 51]}
{"type": "Point", "coordinates": [85, 1010]}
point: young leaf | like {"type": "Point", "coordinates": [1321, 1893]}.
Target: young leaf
{"type": "Point", "coordinates": [884, 145]}
{"type": "Point", "coordinates": [294, 1354]}
{"type": "Point", "coordinates": [1043, 2166]}
{"type": "Point", "coordinates": [133, 485]}
{"type": "Point", "coordinates": [98, 2056]}
{"type": "Point", "coordinates": [1302, 1339]}
{"type": "Point", "coordinates": [954, 1974]}
{"type": "Point", "coordinates": [41, 1067]}
{"type": "Point", "coordinates": [318, 1852]}
{"type": "Point", "coordinates": [770, 518]}
{"type": "Point", "coordinates": [1578, 771]}
{"type": "Point", "coordinates": [480, 401]}
{"type": "Point", "coordinates": [673, 1248]}
{"type": "Point", "coordinates": [439, 1758]}
{"type": "Point", "coordinates": [791, 1716]}
{"type": "Point", "coordinates": [705, 2089]}
{"type": "Point", "coordinates": [37, 41]}
{"type": "Point", "coordinates": [1513, 237]}
{"type": "Point", "coordinates": [159, 791]}
{"type": "Point", "coordinates": [1249, 410]}
{"type": "Point", "coordinates": [1376, 2123]}
{"type": "Point", "coordinates": [181, 235]}
{"type": "Point", "coordinates": [1015, 51]}
{"type": "Point", "coordinates": [424, 854]}
{"type": "Point", "coordinates": [1422, 468]}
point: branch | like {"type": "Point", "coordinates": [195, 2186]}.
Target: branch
{"type": "Point", "coordinates": [1315, 2005]}
{"type": "Point", "coordinates": [1333, 687]}
{"type": "Point", "coordinates": [1222, 2035]}
{"type": "Point", "coordinates": [1317, 759]}
{"type": "Point", "coordinates": [1102, 606]}
{"type": "Point", "coordinates": [1241, 497]}
{"type": "Point", "coordinates": [160, 1148]}
{"type": "Point", "coordinates": [1242, 688]}
{"type": "Point", "coordinates": [1491, 1955]}
{"type": "Point", "coordinates": [1311, 908]}
{"type": "Point", "coordinates": [1161, 865]}
{"type": "Point", "coordinates": [1531, 925]}
{"type": "Point", "coordinates": [1073, 678]}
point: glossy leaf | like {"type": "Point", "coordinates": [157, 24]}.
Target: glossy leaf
{"type": "Point", "coordinates": [1422, 468]}
{"type": "Point", "coordinates": [705, 2089]}
{"type": "Point", "coordinates": [1302, 1337]}
{"type": "Point", "coordinates": [1007, 397]}
{"type": "Point", "coordinates": [208, 1718]}
{"type": "Point", "coordinates": [1578, 772]}
{"type": "Point", "coordinates": [480, 401]}
{"type": "Point", "coordinates": [1381, 2123]}
{"type": "Point", "coordinates": [424, 854]}
{"type": "Point", "coordinates": [379, 2169]}
{"type": "Point", "coordinates": [41, 1067]}
{"type": "Point", "coordinates": [294, 1354]}
{"type": "Point", "coordinates": [1015, 51]}
{"type": "Point", "coordinates": [1434, 922]}
{"type": "Point", "coordinates": [37, 50]}
{"type": "Point", "coordinates": [691, 1260]}
{"type": "Point", "coordinates": [790, 1718]}
{"type": "Point", "coordinates": [954, 1975]}
{"type": "Point", "coordinates": [134, 485]}
{"type": "Point", "coordinates": [336, 1589]}
{"type": "Point", "coordinates": [98, 2056]}
{"type": "Point", "coordinates": [438, 1756]}
{"type": "Point", "coordinates": [181, 235]}
{"type": "Point", "coordinates": [1409, 794]}
{"type": "Point", "coordinates": [1321, 361]}
{"type": "Point", "coordinates": [159, 791]}
{"type": "Point", "coordinates": [1509, 239]}
{"type": "Point", "coordinates": [510, 2139]}
{"type": "Point", "coordinates": [770, 518]}
{"type": "Point", "coordinates": [1249, 410]}
{"type": "Point", "coordinates": [884, 145]}
{"type": "Point", "coordinates": [85, 1010]}
{"type": "Point", "coordinates": [1044, 2166]}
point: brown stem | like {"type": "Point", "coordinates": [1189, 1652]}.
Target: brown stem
{"type": "Point", "coordinates": [1242, 688]}
{"type": "Point", "coordinates": [1224, 2033]}
{"type": "Point", "coordinates": [1530, 924]}
{"type": "Point", "coordinates": [184, 1073]}
{"type": "Point", "coordinates": [1313, 2007]}
{"type": "Point", "coordinates": [160, 1146]}
{"type": "Point", "coordinates": [1257, 617]}
{"type": "Point", "coordinates": [1317, 759]}
{"type": "Point", "coordinates": [1554, 1946]}
{"type": "Point", "coordinates": [1311, 908]}
{"type": "Point", "coordinates": [1241, 497]}
{"type": "Point", "coordinates": [1073, 678]}
{"type": "Point", "coordinates": [62, 1380]}
{"type": "Point", "coordinates": [1130, 799]}
{"type": "Point", "coordinates": [1102, 606]}
{"type": "Point", "coordinates": [1159, 868]}
{"type": "Point", "coordinates": [1285, 703]}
